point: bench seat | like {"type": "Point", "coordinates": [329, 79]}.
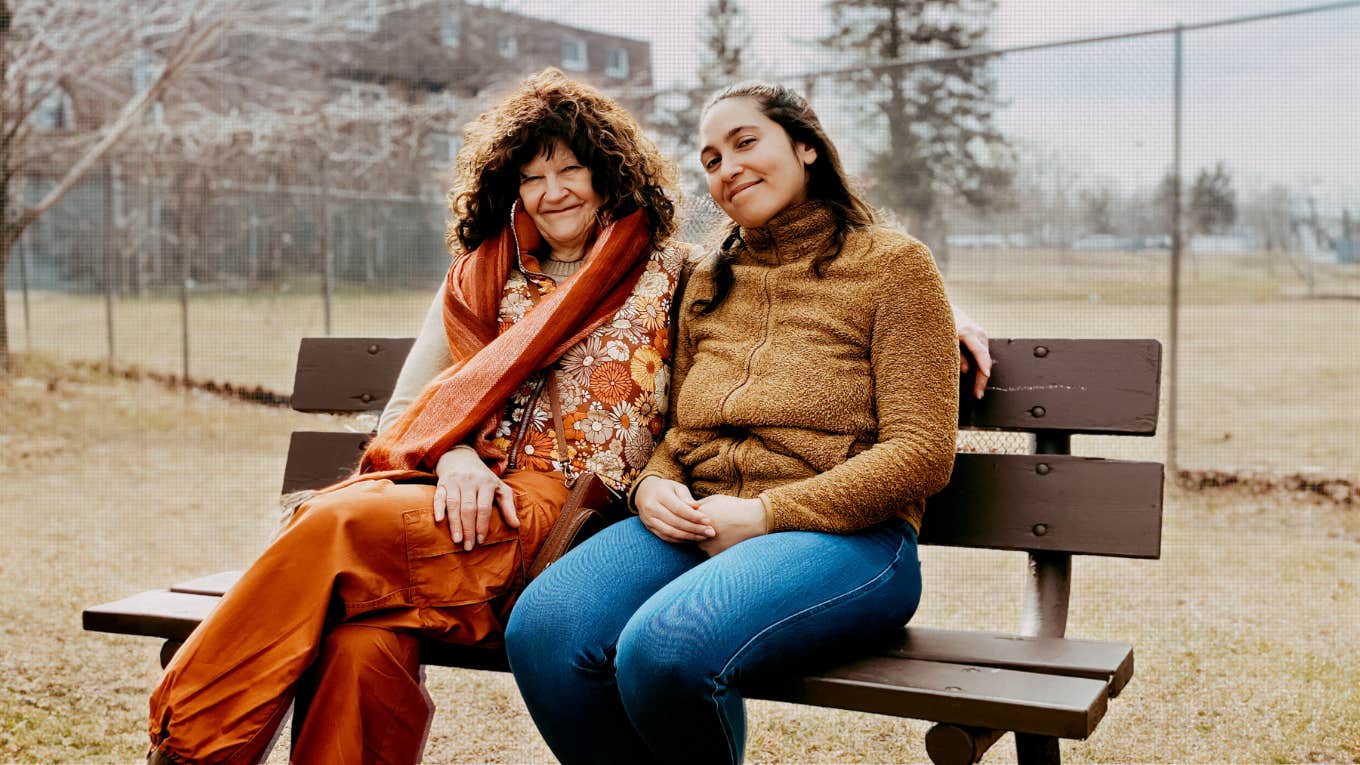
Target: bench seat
{"type": "Point", "coordinates": [974, 685]}
{"type": "Point", "coordinates": [1046, 686]}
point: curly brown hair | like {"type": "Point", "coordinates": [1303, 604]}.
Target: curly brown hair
{"type": "Point", "coordinates": [627, 170]}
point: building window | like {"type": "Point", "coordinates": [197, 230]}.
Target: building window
{"type": "Point", "coordinates": [618, 63]}
{"type": "Point", "coordinates": [362, 93]}
{"type": "Point", "coordinates": [507, 45]}
{"type": "Point", "coordinates": [574, 54]}
{"type": "Point", "coordinates": [444, 148]}
{"type": "Point", "coordinates": [451, 31]}
{"type": "Point", "coordinates": [304, 10]}
{"type": "Point", "coordinates": [52, 110]}
{"type": "Point", "coordinates": [362, 20]}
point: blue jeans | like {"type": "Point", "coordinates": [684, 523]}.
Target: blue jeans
{"type": "Point", "coordinates": [632, 649]}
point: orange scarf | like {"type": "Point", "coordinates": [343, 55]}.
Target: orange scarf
{"type": "Point", "coordinates": [464, 403]}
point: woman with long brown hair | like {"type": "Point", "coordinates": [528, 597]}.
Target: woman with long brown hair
{"type": "Point", "coordinates": [814, 408]}
{"type": "Point", "coordinates": [544, 355]}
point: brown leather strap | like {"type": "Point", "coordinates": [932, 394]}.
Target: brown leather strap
{"type": "Point", "coordinates": [589, 500]}
{"type": "Point", "coordinates": [523, 430]}
{"type": "Point", "coordinates": [554, 403]}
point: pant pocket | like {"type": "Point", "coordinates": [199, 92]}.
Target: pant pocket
{"type": "Point", "coordinates": [444, 574]}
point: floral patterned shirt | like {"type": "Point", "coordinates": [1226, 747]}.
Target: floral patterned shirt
{"type": "Point", "coordinates": [614, 384]}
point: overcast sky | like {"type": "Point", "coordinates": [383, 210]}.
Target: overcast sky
{"type": "Point", "coordinates": [1276, 100]}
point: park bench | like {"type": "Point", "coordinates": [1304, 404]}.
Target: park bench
{"type": "Point", "coordinates": [973, 685]}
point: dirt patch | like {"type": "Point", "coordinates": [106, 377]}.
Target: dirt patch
{"type": "Point", "coordinates": [1301, 486]}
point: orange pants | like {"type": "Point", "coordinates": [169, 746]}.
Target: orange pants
{"type": "Point", "coordinates": [348, 589]}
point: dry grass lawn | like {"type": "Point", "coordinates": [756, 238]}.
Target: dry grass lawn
{"type": "Point", "coordinates": [1245, 632]}
{"type": "Point", "coordinates": [1267, 375]}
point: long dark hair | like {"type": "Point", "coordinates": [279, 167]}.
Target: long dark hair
{"type": "Point", "coordinates": [827, 180]}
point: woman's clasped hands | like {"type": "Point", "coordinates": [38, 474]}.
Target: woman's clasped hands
{"type": "Point", "coordinates": [670, 511]}
{"type": "Point", "coordinates": [466, 492]}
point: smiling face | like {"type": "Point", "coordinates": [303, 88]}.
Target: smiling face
{"type": "Point", "coordinates": [558, 194]}
{"type": "Point", "coordinates": [754, 169]}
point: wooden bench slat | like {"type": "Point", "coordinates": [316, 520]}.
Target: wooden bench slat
{"type": "Point", "coordinates": [347, 374]}
{"type": "Point", "coordinates": [155, 613]}
{"type": "Point", "coordinates": [1047, 705]}
{"type": "Point", "coordinates": [320, 458]}
{"type": "Point", "coordinates": [1055, 503]}
{"type": "Point", "coordinates": [212, 584]}
{"type": "Point", "coordinates": [910, 681]}
{"type": "Point", "coordinates": [1085, 505]}
{"type": "Point", "coordinates": [1081, 386]}
{"type": "Point", "coordinates": [173, 615]}
{"type": "Point", "coordinates": [1095, 659]}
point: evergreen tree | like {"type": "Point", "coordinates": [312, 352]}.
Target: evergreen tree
{"type": "Point", "coordinates": [939, 135]}
{"type": "Point", "coordinates": [1213, 202]}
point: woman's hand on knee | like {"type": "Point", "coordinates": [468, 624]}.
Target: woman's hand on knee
{"type": "Point", "coordinates": [468, 492]}
{"type": "Point", "coordinates": [669, 511]}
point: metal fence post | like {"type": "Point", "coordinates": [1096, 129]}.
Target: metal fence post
{"type": "Point", "coordinates": [1174, 307]}
{"type": "Point", "coordinates": [108, 252]}
{"type": "Point", "coordinates": [21, 243]}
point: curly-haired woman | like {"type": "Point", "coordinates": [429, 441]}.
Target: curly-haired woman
{"type": "Point", "coordinates": [544, 354]}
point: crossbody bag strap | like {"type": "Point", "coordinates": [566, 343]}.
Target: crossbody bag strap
{"type": "Point", "coordinates": [554, 404]}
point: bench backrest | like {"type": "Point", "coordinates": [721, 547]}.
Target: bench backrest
{"type": "Point", "coordinates": [1049, 502]}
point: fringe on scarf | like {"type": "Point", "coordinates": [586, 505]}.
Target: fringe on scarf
{"type": "Point", "coordinates": [289, 504]}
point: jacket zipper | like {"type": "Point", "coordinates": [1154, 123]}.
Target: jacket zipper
{"type": "Point", "coordinates": [750, 359]}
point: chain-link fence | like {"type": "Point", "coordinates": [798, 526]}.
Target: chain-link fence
{"type": "Point", "coordinates": [219, 275]}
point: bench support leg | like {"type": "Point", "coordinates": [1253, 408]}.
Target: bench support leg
{"type": "Point", "coordinates": [168, 651]}
{"type": "Point", "coordinates": [1045, 609]}
{"type": "Point", "coordinates": [959, 744]}
{"type": "Point", "coordinates": [1037, 750]}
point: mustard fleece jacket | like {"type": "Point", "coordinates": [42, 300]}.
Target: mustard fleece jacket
{"type": "Point", "coordinates": [833, 399]}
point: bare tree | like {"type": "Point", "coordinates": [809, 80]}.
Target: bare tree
{"type": "Point", "coordinates": [184, 78]}
{"type": "Point", "coordinates": [725, 38]}
{"type": "Point", "coordinates": [1269, 214]}
{"type": "Point", "coordinates": [1046, 197]}
{"type": "Point", "coordinates": [1213, 202]}
{"type": "Point", "coordinates": [1099, 209]}
{"type": "Point", "coordinates": [64, 61]}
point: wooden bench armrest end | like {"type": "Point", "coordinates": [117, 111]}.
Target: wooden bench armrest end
{"type": "Point", "coordinates": [155, 613]}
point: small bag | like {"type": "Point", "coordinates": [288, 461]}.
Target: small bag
{"type": "Point", "coordinates": [589, 508]}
